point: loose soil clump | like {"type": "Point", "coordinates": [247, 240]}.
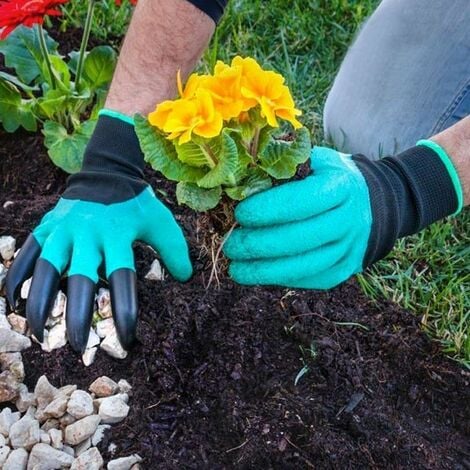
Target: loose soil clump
{"type": "Point", "coordinates": [213, 373]}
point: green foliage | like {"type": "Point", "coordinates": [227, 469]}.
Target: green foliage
{"type": "Point", "coordinates": [43, 90]}
{"type": "Point", "coordinates": [205, 169]}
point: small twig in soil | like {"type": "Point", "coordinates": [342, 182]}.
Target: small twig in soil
{"type": "Point", "coordinates": [215, 258]}
{"type": "Point", "coordinates": [238, 447]}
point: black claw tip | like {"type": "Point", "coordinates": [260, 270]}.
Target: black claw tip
{"type": "Point", "coordinates": [79, 312]}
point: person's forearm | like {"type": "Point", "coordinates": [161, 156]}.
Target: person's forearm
{"type": "Point", "coordinates": [456, 142]}
{"type": "Point", "coordinates": [164, 36]}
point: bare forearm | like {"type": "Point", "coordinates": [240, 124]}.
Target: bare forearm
{"type": "Point", "coordinates": [164, 36]}
{"type": "Point", "coordinates": [456, 142]}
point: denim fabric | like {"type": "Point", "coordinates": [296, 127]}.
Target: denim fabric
{"type": "Point", "coordinates": [406, 77]}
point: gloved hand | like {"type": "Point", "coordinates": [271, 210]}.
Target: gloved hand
{"type": "Point", "coordinates": [105, 208]}
{"type": "Point", "coordinates": [317, 232]}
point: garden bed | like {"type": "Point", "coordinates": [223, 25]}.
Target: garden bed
{"type": "Point", "coordinates": [213, 373]}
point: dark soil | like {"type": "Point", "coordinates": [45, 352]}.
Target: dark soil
{"type": "Point", "coordinates": [213, 375]}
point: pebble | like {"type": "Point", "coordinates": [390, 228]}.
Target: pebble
{"type": "Point", "coordinates": [4, 323]}
{"type": "Point", "coordinates": [103, 300]}
{"type": "Point", "coordinates": [25, 398]}
{"type": "Point", "coordinates": [89, 356]}
{"type": "Point", "coordinates": [89, 460]}
{"type": "Point", "coordinates": [66, 420]}
{"type": "Point", "coordinates": [7, 247]}
{"type": "Point", "coordinates": [25, 288]}
{"type": "Point", "coordinates": [57, 336]}
{"type": "Point", "coordinates": [113, 410]}
{"type": "Point", "coordinates": [68, 450]}
{"type": "Point", "coordinates": [11, 341]}
{"type": "Point", "coordinates": [81, 429]}
{"type": "Point", "coordinates": [57, 407]}
{"type": "Point", "coordinates": [3, 306]}
{"type": "Point", "coordinates": [156, 272]}
{"type": "Point", "coordinates": [112, 346]}
{"type": "Point", "coordinates": [24, 433]}
{"type": "Point", "coordinates": [80, 404]}
{"type": "Point", "coordinates": [45, 457]}
{"type": "Point", "coordinates": [93, 339]}
{"type": "Point", "coordinates": [50, 423]}
{"type": "Point", "coordinates": [104, 387]}
{"type": "Point", "coordinates": [44, 437]}
{"type": "Point", "coordinates": [3, 275]}
{"type": "Point", "coordinates": [17, 460]}
{"type": "Point", "coordinates": [124, 386]}
{"type": "Point", "coordinates": [9, 386]}
{"type": "Point", "coordinates": [44, 392]}
{"type": "Point", "coordinates": [8, 204]}
{"type": "Point", "coordinates": [82, 447]}
{"type": "Point", "coordinates": [7, 419]}
{"type": "Point", "coordinates": [105, 327]}
{"type": "Point", "coordinates": [18, 323]}
{"type": "Point", "coordinates": [56, 438]}
{"type": "Point", "coordinates": [124, 463]}
{"type": "Point", "coordinates": [67, 390]}
{"type": "Point", "coordinates": [60, 302]}
{"type": "Point", "coordinates": [4, 451]}
{"type": "Point", "coordinates": [99, 434]}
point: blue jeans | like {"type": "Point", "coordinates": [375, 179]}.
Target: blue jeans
{"type": "Point", "coordinates": [406, 77]}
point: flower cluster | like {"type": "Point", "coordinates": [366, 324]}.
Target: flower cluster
{"type": "Point", "coordinates": [14, 13]}
{"type": "Point", "coordinates": [119, 2]}
{"type": "Point", "coordinates": [207, 101]}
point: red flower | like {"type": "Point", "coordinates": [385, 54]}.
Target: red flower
{"type": "Point", "coordinates": [14, 13]}
{"type": "Point", "coordinates": [119, 2]}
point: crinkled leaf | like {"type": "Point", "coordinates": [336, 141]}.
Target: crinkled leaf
{"type": "Point", "coordinates": [194, 154]}
{"type": "Point", "coordinates": [255, 182]}
{"type": "Point", "coordinates": [98, 67]}
{"type": "Point", "coordinates": [197, 198]}
{"type": "Point", "coordinates": [225, 170]}
{"type": "Point", "coordinates": [14, 112]}
{"type": "Point", "coordinates": [22, 52]}
{"type": "Point", "coordinates": [160, 153]}
{"type": "Point", "coordinates": [280, 158]}
{"type": "Point", "coordinates": [66, 150]}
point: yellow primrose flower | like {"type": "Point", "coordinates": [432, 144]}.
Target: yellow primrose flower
{"type": "Point", "coordinates": [193, 83]}
{"type": "Point", "coordinates": [159, 117]}
{"type": "Point", "coordinates": [267, 89]}
{"type": "Point", "coordinates": [196, 115]}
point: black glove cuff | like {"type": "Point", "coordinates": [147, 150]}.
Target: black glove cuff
{"type": "Point", "coordinates": [408, 192]}
{"type": "Point", "coordinates": [113, 165]}
{"type": "Point", "coordinates": [213, 8]}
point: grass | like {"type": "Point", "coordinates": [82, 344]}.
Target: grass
{"type": "Point", "coordinates": [306, 41]}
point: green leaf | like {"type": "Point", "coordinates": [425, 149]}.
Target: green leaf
{"type": "Point", "coordinates": [228, 163]}
{"type": "Point", "coordinates": [161, 154]}
{"type": "Point", "coordinates": [15, 112]}
{"type": "Point", "coordinates": [98, 67]}
{"type": "Point", "coordinates": [61, 72]}
{"type": "Point", "coordinates": [280, 158]}
{"type": "Point", "coordinates": [22, 52]}
{"type": "Point", "coordinates": [66, 150]}
{"type": "Point", "coordinates": [12, 79]}
{"type": "Point", "coordinates": [256, 181]}
{"type": "Point", "coordinates": [197, 155]}
{"type": "Point", "coordinates": [73, 61]}
{"type": "Point", "coordinates": [52, 103]}
{"type": "Point", "coordinates": [197, 198]}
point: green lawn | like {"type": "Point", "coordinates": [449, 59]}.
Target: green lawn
{"type": "Point", "coordinates": [306, 40]}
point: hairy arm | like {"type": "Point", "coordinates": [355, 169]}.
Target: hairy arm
{"type": "Point", "coordinates": [164, 36]}
{"type": "Point", "coordinates": [456, 142]}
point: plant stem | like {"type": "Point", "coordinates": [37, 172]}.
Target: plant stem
{"type": "Point", "coordinates": [255, 143]}
{"type": "Point", "coordinates": [84, 44]}
{"type": "Point", "coordinates": [45, 55]}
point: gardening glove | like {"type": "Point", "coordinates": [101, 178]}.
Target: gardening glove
{"type": "Point", "coordinates": [104, 209]}
{"type": "Point", "coordinates": [317, 232]}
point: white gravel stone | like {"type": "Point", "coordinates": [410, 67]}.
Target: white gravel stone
{"type": "Point", "coordinates": [124, 386]}
{"type": "Point", "coordinates": [67, 390]}
{"type": "Point", "coordinates": [93, 339]}
{"type": "Point", "coordinates": [25, 433]}
{"type": "Point", "coordinates": [3, 306]}
{"type": "Point", "coordinates": [89, 460]}
{"type": "Point", "coordinates": [7, 419]}
{"type": "Point", "coordinates": [57, 336]}
{"type": "Point", "coordinates": [156, 272]}
{"type": "Point", "coordinates": [57, 440]}
{"type": "Point", "coordinates": [9, 386]}
{"type": "Point", "coordinates": [113, 410]}
{"type": "Point", "coordinates": [4, 451]}
{"type": "Point", "coordinates": [68, 450]}
{"type": "Point", "coordinates": [25, 288]}
{"type": "Point", "coordinates": [17, 460]}
{"type": "Point", "coordinates": [105, 327]}
{"type": "Point", "coordinates": [124, 463]}
{"type": "Point", "coordinates": [60, 302]}
{"type": "Point", "coordinates": [57, 407]}
{"type": "Point", "coordinates": [82, 447]}
{"type": "Point", "coordinates": [25, 398]}
{"type": "Point", "coordinates": [44, 392]}
{"type": "Point", "coordinates": [8, 204]}
{"type": "Point", "coordinates": [103, 300]}
{"type": "Point", "coordinates": [3, 440]}
{"type": "Point", "coordinates": [99, 434]}
{"type": "Point", "coordinates": [104, 387]}
{"type": "Point", "coordinates": [51, 423]}
{"type": "Point", "coordinates": [44, 437]}
{"type": "Point", "coordinates": [11, 341]}
{"type": "Point", "coordinates": [80, 404]}
{"type": "Point", "coordinates": [18, 323]}
{"type": "Point", "coordinates": [45, 457]}
{"type": "Point", "coordinates": [112, 448]}
{"type": "Point", "coordinates": [4, 323]}
{"type": "Point", "coordinates": [67, 420]}
{"type": "Point", "coordinates": [112, 346]}
{"type": "Point", "coordinates": [81, 430]}
{"type": "Point", "coordinates": [3, 275]}
{"type": "Point", "coordinates": [89, 356]}
{"type": "Point", "coordinates": [7, 359]}
{"type": "Point", "coordinates": [7, 247]}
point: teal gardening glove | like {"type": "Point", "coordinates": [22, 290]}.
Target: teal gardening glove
{"type": "Point", "coordinates": [105, 208]}
{"type": "Point", "coordinates": [317, 232]}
